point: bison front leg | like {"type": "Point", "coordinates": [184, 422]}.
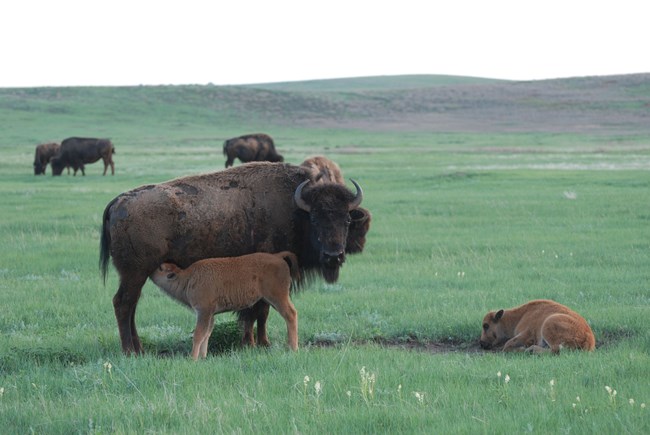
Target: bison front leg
{"type": "Point", "coordinates": [202, 332]}
{"type": "Point", "coordinates": [125, 302]}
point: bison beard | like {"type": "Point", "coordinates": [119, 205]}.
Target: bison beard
{"type": "Point", "coordinates": [258, 207]}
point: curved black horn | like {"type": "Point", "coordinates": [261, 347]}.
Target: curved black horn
{"type": "Point", "coordinates": [356, 202]}
{"type": "Point", "coordinates": [297, 196]}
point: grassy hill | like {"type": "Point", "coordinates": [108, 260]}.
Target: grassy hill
{"type": "Point", "coordinates": [591, 105]}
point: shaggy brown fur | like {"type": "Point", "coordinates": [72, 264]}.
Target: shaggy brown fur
{"type": "Point", "coordinates": [216, 285]}
{"type": "Point", "coordinates": [42, 156]}
{"type": "Point", "coordinates": [258, 147]}
{"type": "Point", "coordinates": [538, 326]}
{"type": "Point", "coordinates": [323, 170]}
{"type": "Point", "coordinates": [241, 210]}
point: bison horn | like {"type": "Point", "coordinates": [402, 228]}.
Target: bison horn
{"type": "Point", "coordinates": [356, 202]}
{"type": "Point", "coordinates": [298, 197]}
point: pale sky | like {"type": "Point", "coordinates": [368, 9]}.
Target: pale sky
{"type": "Point", "coordinates": [133, 42]}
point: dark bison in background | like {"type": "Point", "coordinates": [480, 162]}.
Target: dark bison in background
{"type": "Point", "coordinates": [43, 155]}
{"type": "Point", "coordinates": [77, 151]}
{"type": "Point", "coordinates": [258, 207]}
{"type": "Point", "coordinates": [251, 148]}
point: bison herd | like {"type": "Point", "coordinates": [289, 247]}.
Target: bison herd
{"type": "Point", "coordinates": [75, 152]}
{"type": "Point", "coordinates": [205, 240]}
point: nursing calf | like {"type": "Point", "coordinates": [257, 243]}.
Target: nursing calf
{"type": "Point", "coordinates": [538, 326]}
{"type": "Point", "coordinates": [216, 285]}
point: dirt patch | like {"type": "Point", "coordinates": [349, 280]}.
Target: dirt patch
{"type": "Point", "coordinates": [409, 344]}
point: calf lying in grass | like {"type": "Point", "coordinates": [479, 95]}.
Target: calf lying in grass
{"type": "Point", "coordinates": [538, 326]}
{"type": "Point", "coordinates": [216, 285]}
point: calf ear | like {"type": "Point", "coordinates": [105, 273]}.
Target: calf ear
{"type": "Point", "coordinates": [498, 315]}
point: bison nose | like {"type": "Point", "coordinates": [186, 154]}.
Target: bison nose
{"type": "Point", "coordinates": [484, 344]}
{"type": "Point", "coordinates": [333, 258]}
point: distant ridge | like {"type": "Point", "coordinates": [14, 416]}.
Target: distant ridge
{"type": "Point", "coordinates": [374, 83]}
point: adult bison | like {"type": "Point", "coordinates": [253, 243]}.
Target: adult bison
{"type": "Point", "coordinates": [77, 151]}
{"type": "Point", "coordinates": [257, 147]}
{"type": "Point", "coordinates": [259, 207]}
{"type": "Point", "coordinates": [43, 155]}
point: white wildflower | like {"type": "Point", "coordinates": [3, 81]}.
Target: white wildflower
{"type": "Point", "coordinates": [552, 383]}
{"type": "Point", "coordinates": [609, 389]}
{"type": "Point", "coordinates": [306, 380]}
{"type": "Point", "coordinates": [498, 374]}
{"type": "Point", "coordinates": [349, 393]}
{"type": "Point", "coordinates": [631, 402]}
{"type": "Point", "coordinates": [318, 388]}
{"type": "Point", "coordinates": [506, 379]}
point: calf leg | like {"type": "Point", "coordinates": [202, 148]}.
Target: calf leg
{"type": "Point", "coordinates": [290, 315]}
{"type": "Point", "coordinates": [518, 343]}
{"type": "Point", "coordinates": [125, 302]}
{"type": "Point", "coordinates": [202, 332]}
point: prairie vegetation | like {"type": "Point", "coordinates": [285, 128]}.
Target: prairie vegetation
{"type": "Point", "coordinates": [484, 195]}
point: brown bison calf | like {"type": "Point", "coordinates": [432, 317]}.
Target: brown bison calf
{"type": "Point", "coordinates": [323, 170]}
{"type": "Point", "coordinates": [216, 285]}
{"type": "Point", "coordinates": [538, 326]}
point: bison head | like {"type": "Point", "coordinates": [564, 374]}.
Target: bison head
{"type": "Point", "coordinates": [329, 207]}
{"type": "Point", "coordinates": [493, 333]}
{"type": "Point", "coordinates": [38, 168]}
{"type": "Point", "coordinates": [57, 165]}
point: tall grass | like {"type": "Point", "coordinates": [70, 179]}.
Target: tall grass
{"type": "Point", "coordinates": [462, 223]}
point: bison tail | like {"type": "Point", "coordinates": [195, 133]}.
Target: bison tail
{"type": "Point", "coordinates": [105, 242]}
{"type": "Point", "coordinates": [292, 261]}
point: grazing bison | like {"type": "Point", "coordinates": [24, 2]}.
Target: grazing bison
{"type": "Point", "coordinates": [538, 326]}
{"type": "Point", "coordinates": [43, 155]}
{"type": "Point", "coordinates": [324, 170]}
{"type": "Point", "coordinates": [251, 148]}
{"type": "Point", "coordinates": [217, 285]}
{"type": "Point", "coordinates": [76, 151]}
{"type": "Point", "coordinates": [258, 207]}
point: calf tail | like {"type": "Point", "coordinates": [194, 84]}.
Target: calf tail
{"type": "Point", "coordinates": [105, 241]}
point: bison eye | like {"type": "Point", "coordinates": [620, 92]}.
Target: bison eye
{"type": "Point", "coordinates": [486, 326]}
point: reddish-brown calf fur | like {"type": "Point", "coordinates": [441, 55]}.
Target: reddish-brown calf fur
{"type": "Point", "coordinates": [538, 326]}
{"type": "Point", "coordinates": [216, 285]}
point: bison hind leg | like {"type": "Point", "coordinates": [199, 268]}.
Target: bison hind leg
{"type": "Point", "coordinates": [247, 318]}
{"type": "Point", "coordinates": [125, 302]}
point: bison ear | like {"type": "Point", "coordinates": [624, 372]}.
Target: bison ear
{"type": "Point", "coordinates": [498, 315]}
{"type": "Point", "coordinates": [359, 215]}
{"type": "Point", "coordinates": [171, 275]}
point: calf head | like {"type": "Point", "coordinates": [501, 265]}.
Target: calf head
{"type": "Point", "coordinates": [329, 207]}
{"type": "Point", "coordinates": [494, 332]}
{"type": "Point", "coordinates": [165, 274]}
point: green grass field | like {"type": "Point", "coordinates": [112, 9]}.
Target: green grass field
{"type": "Point", "coordinates": [466, 219]}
